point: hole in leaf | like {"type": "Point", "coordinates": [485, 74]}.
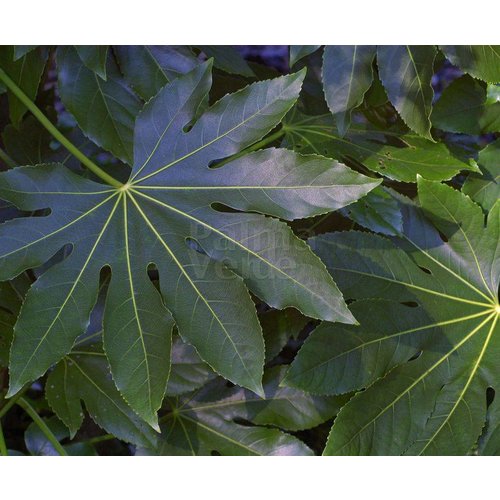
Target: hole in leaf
{"type": "Point", "coordinates": [194, 245]}
{"type": "Point", "coordinates": [490, 395]}
{"type": "Point", "coordinates": [410, 303]}
{"type": "Point", "coordinates": [154, 275]}
{"type": "Point", "coordinates": [425, 270]}
{"type": "Point", "coordinates": [220, 207]}
{"type": "Point", "coordinates": [215, 453]}
{"type": "Point", "coordinates": [416, 356]}
{"type": "Point", "coordinates": [243, 422]}
{"type": "Point", "coordinates": [443, 237]}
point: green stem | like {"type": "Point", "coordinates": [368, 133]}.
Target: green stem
{"type": "Point", "coordinates": [258, 145]}
{"type": "Point", "coordinates": [3, 446]}
{"type": "Point", "coordinates": [7, 159]}
{"type": "Point", "coordinates": [99, 439]}
{"type": "Point", "coordinates": [12, 401]}
{"type": "Point", "coordinates": [42, 425]}
{"type": "Point", "coordinates": [55, 133]}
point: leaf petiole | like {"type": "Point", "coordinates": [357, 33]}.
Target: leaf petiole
{"type": "Point", "coordinates": [11, 85]}
{"type": "Point", "coordinates": [42, 426]}
{"type": "Point", "coordinates": [3, 446]}
{"type": "Point", "coordinates": [7, 159]}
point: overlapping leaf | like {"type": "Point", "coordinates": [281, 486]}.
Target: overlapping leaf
{"type": "Point", "coordinates": [480, 61]}
{"type": "Point", "coordinates": [25, 69]}
{"type": "Point", "coordinates": [148, 68]}
{"type": "Point", "coordinates": [104, 109]}
{"type": "Point", "coordinates": [164, 216]}
{"type": "Point", "coordinates": [406, 73]}
{"type": "Point", "coordinates": [464, 107]}
{"type": "Point", "coordinates": [218, 420]}
{"type": "Point", "coordinates": [84, 376]}
{"type": "Point", "coordinates": [484, 188]}
{"type": "Point", "coordinates": [428, 346]}
{"type": "Point", "coordinates": [394, 153]}
{"type": "Point", "coordinates": [347, 75]}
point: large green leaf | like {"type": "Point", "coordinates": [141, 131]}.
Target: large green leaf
{"type": "Point", "coordinates": [84, 376]}
{"type": "Point", "coordinates": [347, 75]}
{"type": "Point", "coordinates": [485, 188]}
{"type": "Point", "coordinates": [393, 153]}
{"type": "Point", "coordinates": [105, 110]}
{"type": "Point", "coordinates": [164, 216]}
{"type": "Point", "coordinates": [94, 57]}
{"type": "Point", "coordinates": [463, 107]}
{"type": "Point", "coordinates": [234, 421]}
{"type": "Point", "coordinates": [26, 71]}
{"type": "Point", "coordinates": [148, 68]}
{"type": "Point", "coordinates": [428, 346]}
{"type": "Point", "coordinates": [406, 72]}
{"type": "Point", "coordinates": [480, 61]}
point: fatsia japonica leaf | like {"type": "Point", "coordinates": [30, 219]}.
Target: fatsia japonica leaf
{"type": "Point", "coordinates": [298, 52]}
{"type": "Point", "coordinates": [378, 211]}
{"type": "Point", "coordinates": [94, 57]}
{"type": "Point", "coordinates": [26, 71]}
{"type": "Point", "coordinates": [105, 110]}
{"type": "Point", "coordinates": [22, 50]}
{"type": "Point", "coordinates": [163, 216]}
{"type": "Point", "coordinates": [480, 61]}
{"type": "Point", "coordinates": [84, 376]}
{"type": "Point", "coordinates": [489, 444]}
{"type": "Point", "coordinates": [234, 421]}
{"type": "Point", "coordinates": [278, 328]}
{"type": "Point", "coordinates": [406, 72]}
{"type": "Point", "coordinates": [227, 59]}
{"type": "Point", "coordinates": [10, 305]}
{"type": "Point", "coordinates": [347, 76]}
{"type": "Point", "coordinates": [188, 371]}
{"type": "Point", "coordinates": [427, 349]}
{"type": "Point", "coordinates": [484, 188]}
{"type": "Point", "coordinates": [394, 153]}
{"type": "Point", "coordinates": [37, 443]}
{"type": "Point", "coordinates": [463, 107]}
{"type": "Point", "coordinates": [148, 68]}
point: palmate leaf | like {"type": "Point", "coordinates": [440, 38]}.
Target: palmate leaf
{"type": "Point", "coordinates": [395, 153]}
{"type": "Point", "coordinates": [218, 420]}
{"type": "Point", "coordinates": [428, 346]}
{"type": "Point", "coordinates": [164, 216]}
